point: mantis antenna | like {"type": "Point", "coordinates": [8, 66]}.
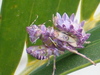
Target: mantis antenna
{"type": "Point", "coordinates": [47, 21]}
{"type": "Point", "coordinates": [34, 20]}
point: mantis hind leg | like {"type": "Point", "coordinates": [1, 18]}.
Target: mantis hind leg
{"type": "Point", "coordinates": [54, 65]}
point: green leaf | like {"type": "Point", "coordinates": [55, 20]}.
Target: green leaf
{"type": "Point", "coordinates": [68, 6]}
{"type": "Point", "coordinates": [66, 63]}
{"type": "Point", "coordinates": [88, 8]}
{"type": "Point", "coordinates": [15, 17]}
{"type": "Point", "coordinates": [95, 33]}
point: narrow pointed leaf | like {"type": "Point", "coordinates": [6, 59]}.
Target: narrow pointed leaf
{"type": "Point", "coordinates": [88, 8]}
{"type": "Point", "coordinates": [15, 18]}
{"type": "Point", "coordinates": [95, 33]}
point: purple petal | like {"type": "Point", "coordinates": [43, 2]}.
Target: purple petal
{"type": "Point", "coordinates": [65, 16]}
{"type": "Point", "coordinates": [43, 28]}
{"type": "Point", "coordinates": [80, 30]}
{"type": "Point", "coordinates": [82, 23]}
{"type": "Point", "coordinates": [72, 17]}
{"type": "Point", "coordinates": [87, 36]}
{"type": "Point", "coordinates": [58, 15]}
{"type": "Point", "coordinates": [71, 27]}
{"type": "Point", "coordinates": [59, 21]}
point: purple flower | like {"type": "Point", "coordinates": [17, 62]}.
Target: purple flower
{"type": "Point", "coordinates": [70, 26]}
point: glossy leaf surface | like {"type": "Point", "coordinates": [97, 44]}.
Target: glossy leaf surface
{"type": "Point", "coordinates": [88, 8]}
{"type": "Point", "coordinates": [15, 18]}
{"type": "Point", "coordinates": [69, 62]}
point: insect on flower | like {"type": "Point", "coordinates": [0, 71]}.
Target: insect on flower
{"type": "Point", "coordinates": [69, 35]}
